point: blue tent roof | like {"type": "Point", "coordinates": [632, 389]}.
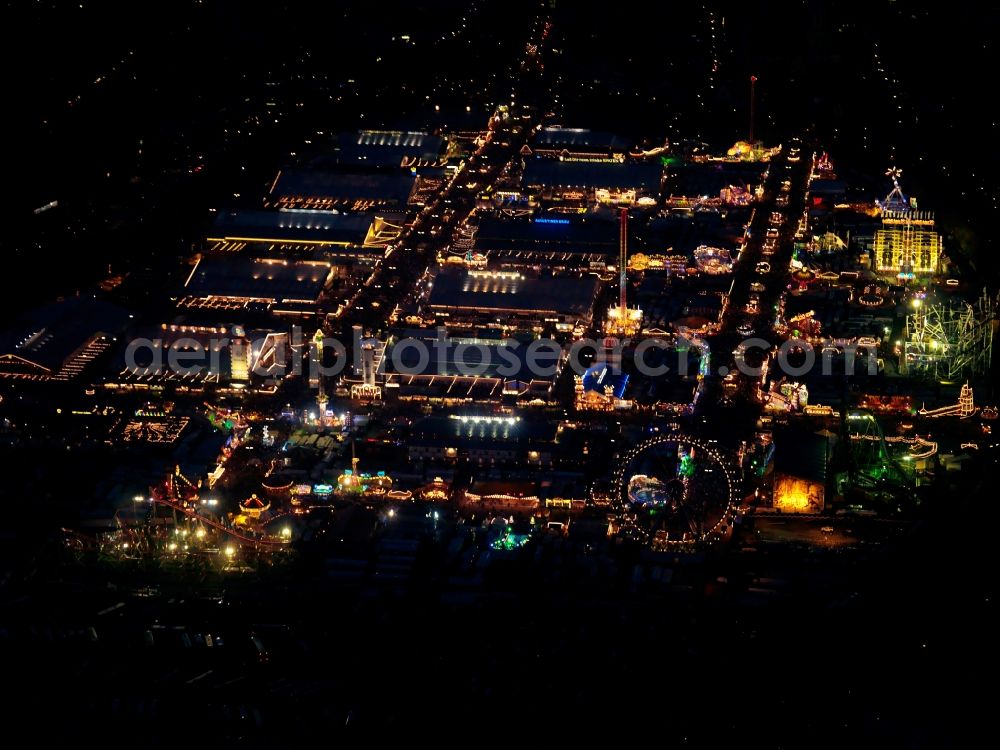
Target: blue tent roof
{"type": "Point", "coordinates": [600, 376]}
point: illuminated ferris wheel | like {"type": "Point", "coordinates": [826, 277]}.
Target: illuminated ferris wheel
{"type": "Point", "coordinates": [675, 490]}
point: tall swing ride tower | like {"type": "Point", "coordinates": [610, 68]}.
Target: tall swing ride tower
{"type": "Point", "coordinates": [623, 320]}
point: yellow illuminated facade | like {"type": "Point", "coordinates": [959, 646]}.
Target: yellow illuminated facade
{"type": "Point", "coordinates": [239, 352]}
{"type": "Point", "coordinates": [907, 245]}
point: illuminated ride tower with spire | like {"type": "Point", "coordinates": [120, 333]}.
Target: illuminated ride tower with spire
{"type": "Point", "coordinates": [907, 246]}
{"type": "Point", "coordinates": [622, 320]}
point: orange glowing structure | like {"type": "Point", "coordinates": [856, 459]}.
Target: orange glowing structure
{"type": "Point", "coordinates": [253, 507]}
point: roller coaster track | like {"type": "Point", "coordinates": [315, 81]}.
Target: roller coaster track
{"type": "Point", "coordinates": [244, 539]}
{"type": "Point", "coordinates": [919, 447]}
{"type": "Point", "coordinates": [869, 452]}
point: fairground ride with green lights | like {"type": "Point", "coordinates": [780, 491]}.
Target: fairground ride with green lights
{"type": "Point", "coordinates": [870, 464]}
